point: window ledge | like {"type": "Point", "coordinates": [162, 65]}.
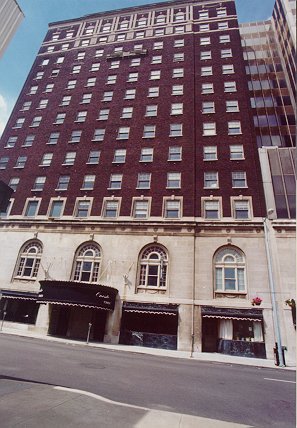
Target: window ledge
{"type": "Point", "coordinates": [240, 187]}
{"type": "Point", "coordinates": [45, 166]}
{"type": "Point", "coordinates": [61, 190]}
{"type": "Point", "coordinates": [114, 188]}
{"type": "Point", "coordinates": [211, 188]}
{"type": "Point", "coordinates": [18, 167]}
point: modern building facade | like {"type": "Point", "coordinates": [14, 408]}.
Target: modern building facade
{"type": "Point", "coordinates": [10, 17]}
{"type": "Point", "coordinates": [138, 205]}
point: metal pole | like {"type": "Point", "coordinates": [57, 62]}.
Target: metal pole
{"type": "Point", "coordinates": [89, 331]}
{"type": "Point", "coordinates": [4, 314]}
{"type": "Point", "coordinates": [273, 300]}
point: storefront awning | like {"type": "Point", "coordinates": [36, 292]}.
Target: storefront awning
{"type": "Point", "coordinates": [73, 293]}
{"type": "Point", "coordinates": [232, 313]}
{"type": "Point", "coordinates": [150, 308]}
{"type": "Point", "coordinates": [23, 295]}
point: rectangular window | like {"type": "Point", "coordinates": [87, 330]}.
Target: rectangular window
{"type": "Point", "coordinates": [139, 35]}
{"type": "Point", "coordinates": [21, 162]}
{"type": "Point", "coordinates": [222, 12]}
{"type": "Point", "coordinates": [10, 143]}
{"type": "Point", "coordinates": [173, 180]}
{"type": "Point", "coordinates": [226, 53]}
{"type": "Point", "coordinates": [81, 116]}
{"type": "Point", "coordinates": [175, 153]}
{"type": "Point", "coordinates": [115, 181]}
{"type": "Point", "coordinates": [49, 88]}
{"type": "Point", "coordinates": [155, 75]}
{"type": "Point", "coordinates": [111, 80]}
{"type": "Point", "coordinates": [211, 209]}
{"type": "Point", "coordinates": [42, 104]}
{"type": "Point", "coordinates": [206, 71]}
{"type": "Point", "coordinates": [69, 158]}
{"type": "Point", "coordinates": [82, 208]}
{"type": "Point", "coordinates": [146, 154]}
{"type": "Point", "coordinates": [230, 87]}
{"type": "Point", "coordinates": [209, 129]}
{"type": "Point", "coordinates": [80, 56]}
{"type": "Point", "coordinates": [144, 181]}
{"type": "Point", "coordinates": [203, 14]}
{"type": "Point", "coordinates": [177, 90]}
{"type": "Point", "coordinates": [140, 209]}
{"type": "Point", "coordinates": [26, 106]}
{"type": "Point", "coordinates": [19, 123]}
{"type": "Point", "coordinates": [103, 114]}
{"type": "Point", "coordinates": [99, 135]}
{"type": "Point", "coordinates": [33, 90]}
{"type": "Point", "coordinates": [135, 62]}
{"type": "Point", "coordinates": [241, 210]}
{"type": "Point", "coordinates": [156, 59]}
{"type": "Point", "coordinates": [88, 182]}
{"type": "Point", "coordinates": [149, 131]}
{"type": "Point", "coordinates": [177, 73]}
{"type": "Point", "coordinates": [3, 162]}
{"type": "Point", "coordinates": [239, 179]}
{"type": "Point", "coordinates": [13, 183]}
{"type": "Point", "coordinates": [228, 69]}
{"type": "Point", "coordinates": [151, 110]}
{"type": "Point", "coordinates": [130, 94]}
{"type": "Point", "coordinates": [232, 106]}
{"type": "Point", "coordinates": [123, 133]}
{"type": "Point", "coordinates": [178, 57]}
{"type": "Point", "coordinates": [75, 137]}
{"type": "Point", "coordinates": [45, 62]}
{"type": "Point", "coordinates": [60, 118]}
{"type": "Point", "coordinates": [172, 209]}
{"type": "Point", "coordinates": [94, 157]}
{"type": "Point", "coordinates": [236, 152]}
{"type": "Point", "coordinates": [204, 41]}
{"type": "Point", "coordinates": [95, 66]}
{"type": "Point", "coordinates": [119, 156]}
{"type": "Point", "coordinates": [208, 107]}
{"type": "Point", "coordinates": [176, 130]}
{"type": "Point", "coordinates": [223, 25]}
{"type": "Point", "coordinates": [179, 43]}
{"type": "Point", "coordinates": [205, 55]}
{"type": "Point", "coordinates": [56, 209]}
{"type": "Point", "coordinates": [86, 99]}
{"type": "Point", "coordinates": [210, 153]}
{"type": "Point", "coordinates": [153, 92]}
{"type": "Point", "coordinates": [234, 128]}
{"type": "Point", "coordinates": [207, 88]}
{"type": "Point", "coordinates": [204, 27]}
{"type": "Point", "coordinates": [63, 182]}
{"type": "Point", "coordinates": [39, 183]}
{"type": "Point", "coordinates": [60, 60]}
{"type": "Point", "coordinates": [176, 109]}
{"type": "Point", "coordinates": [85, 42]}
{"type": "Point", "coordinates": [46, 159]}
{"type": "Point", "coordinates": [71, 84]}
{"type": "Point", "coordinates": [31, 209]}
{"type": "Point", "coordinates": [114, 64]}
{"type": "Point", "coordinates": [158, 45]}
{"type": "Point", "coordinates": [211, 180]}
{"type": "Point", "coordinates": [91, 81]}
{"type": "Point", "coordinates": [29, 141]}
{"type": "Point", "coordinates": [132, 77]}
{"type": "Point", "coordinates": [107, 96]}
{"type": "Point", "coordinates": [224, 38]}
{"type": "Point", "coordinates": [111, 209]}
{"type": "Point", "coordinates": [76, 69]}
{"type": "Point", "coordinates": [99, 53]}
{"type": "Point", "coordinates": [127, 113]}
{"type": "Point", "coordinates": [55, 73]}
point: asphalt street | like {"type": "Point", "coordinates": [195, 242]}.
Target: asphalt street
{"type": "Point", "coordinates": [146, 385]}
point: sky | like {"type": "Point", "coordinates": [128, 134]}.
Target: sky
{"type": "Point", "coordinates": [18, 58]}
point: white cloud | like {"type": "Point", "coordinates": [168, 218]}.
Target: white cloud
{"type": "Point", "coordinates": [5, 108]}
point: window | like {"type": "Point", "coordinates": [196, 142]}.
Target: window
{"type": "Point", "coordinates": [85, 42]}
{"type": "Point", "coordinates": [177, 90]}
{"type": "Point", "coordinates": [60, 60]}
{"type": "Point", "coordinates": [234, 128]}
{"type": "Point", "coordinates": [42, 104]}
{"type": "Point", "coordinates": [26, 106]}
{"type": "Point", "coordinates": [159, 32]}
{"type": "Point", "coordinates": [80, 56]}
{"type": "Point", "coordinates": [239, 179]}
{"type": "Point", "coordinates": [99, 135]}
{"type": "Point", "coordinates": [123, 133]}
{"type": "Point", "coordinates": [111, 209]}
{"type": "Point", "coordinates": [206, 71]}
{"type": "Point", "coordinates": [127, 113]}
{"type": "Point", "coordinates": [158, 45]}
{"type": "Point", "coordinates": [36, 121]}
{"type": "Point", "coordinates": [49, 88]}
{"type": "Point", "coordinates": [86, 98]}
{"type": "Point", "coordinates": [211, 180]}
{"type": "Point", "coordinates": [103, 114]}
{"type": "Point", "coordinates": [232, 106]}
{"type": "Point", "coordinates": [94, 157]}
{"type": "Point", "coordinates": [203, 14]}
{"type": "Point", "coordinates": [65, 46]}
{"type": "Point", "coordinates": [210, 153]}
{"type": "Point", "coordinates": [56, 208]}
{"type": "Point", "coordinates": [11, 142]}
{"type": "Point", "coordinates": [172, 209]}
{"type": "Point", "coordinates": [208, 107]}
{"type": "Point", "coordinates": [204, 27]}
{"type": "Point", "coordinates": [99, 53]}
{"type": "Point", "coordinates": [223, 25]}
{"type": "Point", "coordinates": [241, 209]}
{"type": "Point", "coordinates": [69, 34]}
{"type": "Point", "coordinates": [176, 130]}
{"type": "Point", "coordinates": [135, 62]}
{"type": "Point", "coordinates": [204, 41]}
{"type": "Point", "coordinates": [151, 110]}
{"type": "Point", "coordinates": [222, 12]}
{"type": "Point", "coordinates": [45, 62]}
{"type": "Point", "coordinates": [179, 43]}
{"type": "Point", "coordinates": [95, 66]}
{"type": "Point", "coordinates": [140, 208]}
{"type": "Point", "coordinates": [105, 28]}
{"type": "Point", "coordinates": [114, 64]}
{"type": "Point", "coordinates": [160, 19]}
{"type": "Point", "coordinates": [88, 182]}
{"type": "Point", "coordinates": [212, 210]}
{"type": "Point", "coordinates": [157, 59]}
{"type": "Point", "coordinates": [3, 162]}
{"type": "Point", "coordinates": [205, 55]}
{"type": "Point", "coordinates": [149, 131]}
{"type": "Point", "coordinates": [19, 123]}
{"type": "Point", "coordinates": [63, 182]}
{"type": "Point", "coordinates": [132, 77]}
{"type": "Point", "coordinates": [155, 75]}
{"type": "Point", "coordinates": [75, 137]}
{"type": "Point", "coordinates": [33, 90]}
{"type": "Point", "coordinates": [177, 73]}
{"type": "Point", "coordinates": [119, 156]}
{"type": "Point", "coordinates": [229, 264]}
{"type": "Point", "coordinates": [225, 38]}
{"type": "Point", "coordinates": [130, 94]}
{"type": "Point", "coordinates": [153, 264]}
{"type": "Point", "coordinates": [173, 180]}
{"type": "Point", "coordinates": [124, 25]}
{"type": "Point", "coordinates": [39, 183]}
{"type": "Point", "coordinates": [13, 183]}
{"type": "Point", "coordinates": [146, 154]}
{"type": "Point", "coordinates": [76, 69]}
{"type": "Point", "coordinates": [87, 263]}
{"type": "Point", "coordinates": [230, 87]}
{"type": "Point", "coordinates": [207, 88]}
{"type": "Point", "coordinates": [111, 80]}
{"type": "Point", "coordinates": [81, 116]}
{"type": "Point", "coordinates": [31, 208]}
{"type": "Point", "coordinates": [55, 73]}
{"type": "Point", "coordinates": [107, 96]}
{"type": "Point", "coordinates": [91, 81]}
{"type": "Point", "coordinates": [71, 84]}
{"type": "Point", "coordinates": [153, 92]}
{"type": "Point", "coordinates": [236, 152]}
{"type": "Point", "coordinates": [60, 118]}
{"type": "Point", "coordinates": [29, 260]}
{"type": "Point", "coordinates": [175, 153]}
{"type": "Point", "coordinates": [50, 49]}
{"type": "Point", "coordinates": [143, 181]}
{"type": "Point", "coordinates": [209, 129]}
{"type": "Point", "coordinates": [82, 208]}
{"type": "Point", "coordinates": [21, 162]}
{"type": "Point", "coordinates": [228, 69]}
{"type": "Point", "coordinates": [176, 109]}
{"type": "Point", "coordinates": [180, 16]}
{"type": "Point", "coordinates": [46, 159]}
{"type": "Point", "coordinates": [29, 141]}
{"type": "Point", "coordinates": [69, 158]}
{"type": "Point", "coordinates": [226, 53]}
{"type": "Point", "coordinates": [115, 181]}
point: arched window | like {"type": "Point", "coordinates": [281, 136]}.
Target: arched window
{"type": "Point", "coordinates": [29, 260]}
{"type": "Point", "coordinates": [87, 263]}
{"type": "Point", "coordinates": [229, 264]}
{"type": "Point", "coordinates": [153, 268]}
{"type": "Point", "coordinates": [180, 16]}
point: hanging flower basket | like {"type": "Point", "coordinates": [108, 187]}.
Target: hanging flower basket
{"type": "Point", "coordinates": [256, 301]}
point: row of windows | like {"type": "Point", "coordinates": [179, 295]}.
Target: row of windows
{"type": "Point", "coordinates": [141, 207]}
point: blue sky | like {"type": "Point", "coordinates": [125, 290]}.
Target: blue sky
{"type": "Point", "coordinates": [20, 54]}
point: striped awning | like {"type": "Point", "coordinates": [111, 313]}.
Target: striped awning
{"type": "Point", "coordinates": [232, 318]}
{"type": "Point", "coordinates": [18, 295]}
{"type": "Point", "coordinates": [150, 308]}
{"type": "Point", "coordinates": [249, 314]}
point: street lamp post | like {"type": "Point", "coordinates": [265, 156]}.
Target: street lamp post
{"type": "Point", "coordinates": [272, 292]}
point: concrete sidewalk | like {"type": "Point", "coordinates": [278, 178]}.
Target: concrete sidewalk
{"type": "Point", "coordinates": [200, 356]}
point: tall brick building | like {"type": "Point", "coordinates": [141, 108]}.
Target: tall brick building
{"type": "Point", "coordinates": [138, 206]}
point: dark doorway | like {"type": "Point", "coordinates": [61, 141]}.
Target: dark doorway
{"type": "Point", "coordinates": [209, 335]}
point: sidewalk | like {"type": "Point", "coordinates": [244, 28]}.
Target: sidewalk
{"type": "Point", "coordinates": [199, 356]}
